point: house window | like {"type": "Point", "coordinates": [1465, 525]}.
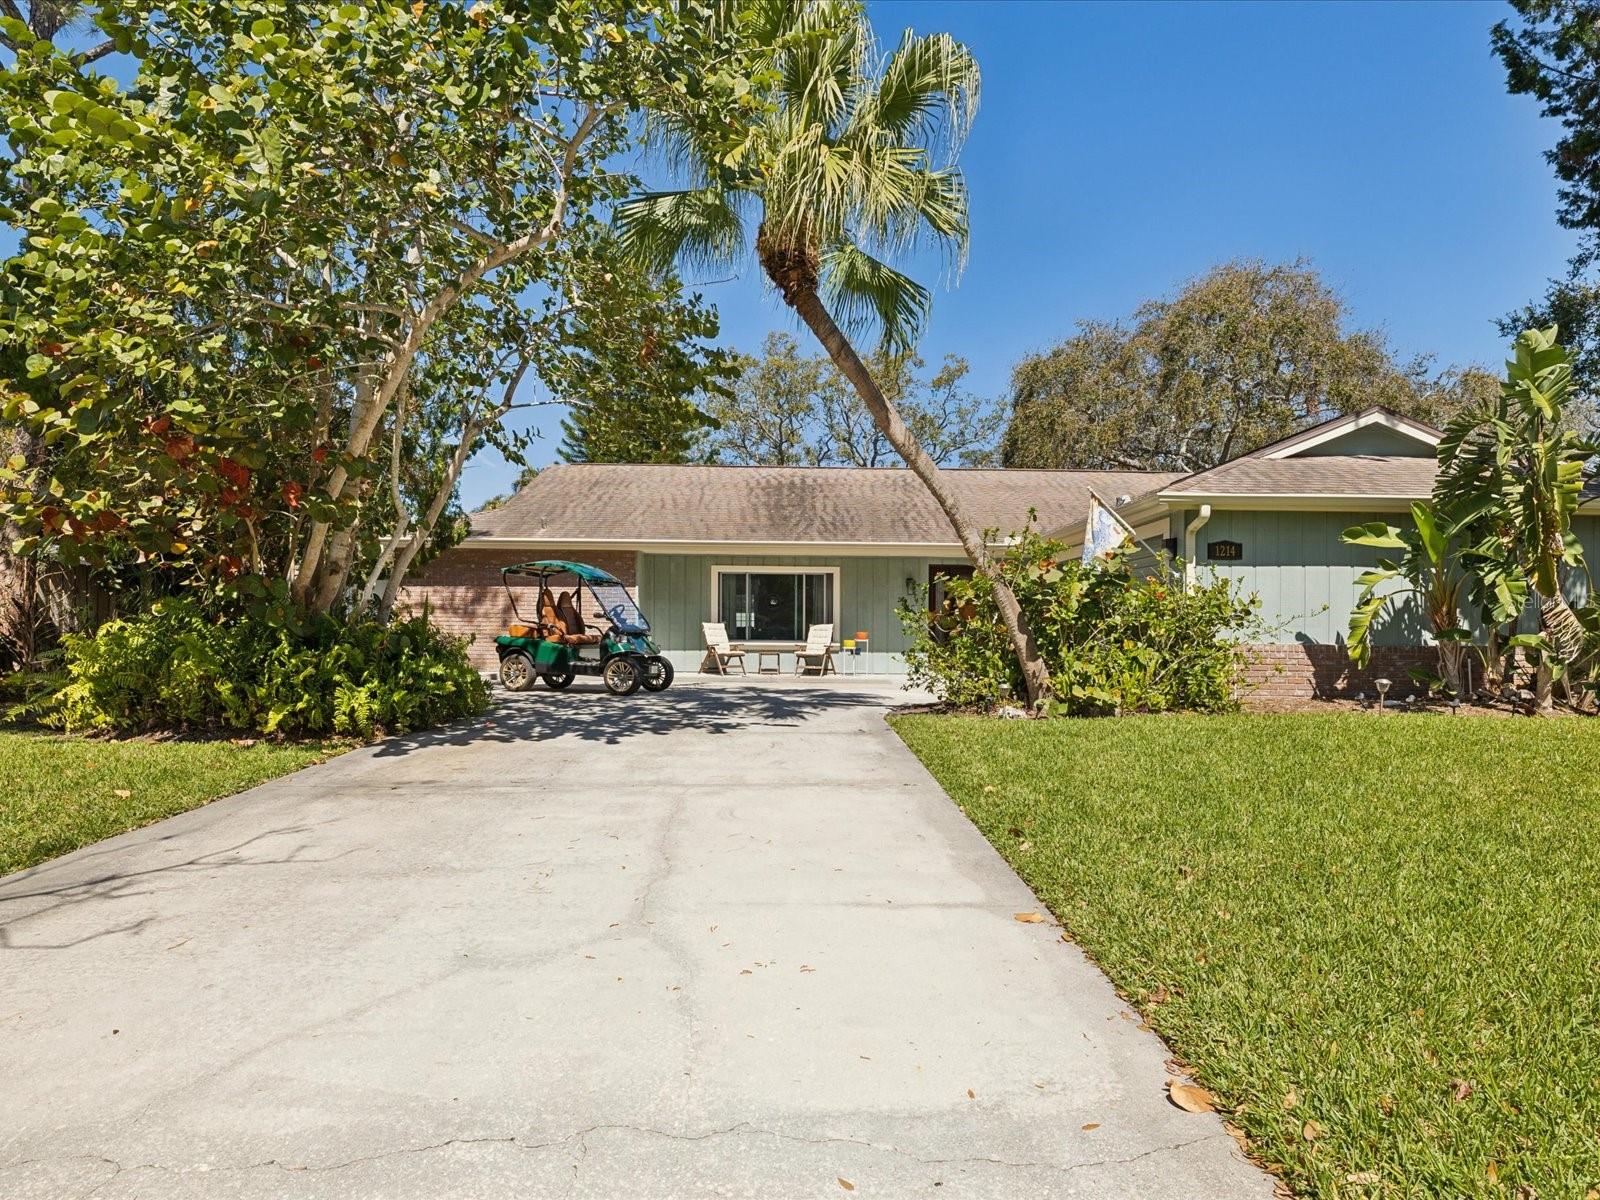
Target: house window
{"type": "Point", "coordinates": [774, 605]}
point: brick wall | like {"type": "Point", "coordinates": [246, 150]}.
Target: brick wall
{"type": "Point", "coordinates": [1302, 671]}
{"type": "Point", "coordinates": [462, 590]}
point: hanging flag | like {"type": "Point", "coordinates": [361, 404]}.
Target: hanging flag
{"type": "Point", "coordinates": [1103, 531]}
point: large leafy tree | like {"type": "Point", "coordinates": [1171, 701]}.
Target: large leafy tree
{"type": "Point", "coordinates": [1513, 474]}
{"type": "Point", "coordinates": [249, 268]}
{"type": "Point", "coordinates": [1551, 51]}
{"type": "Point", "coordinates": [770, 415]}
{"type": "Point", "coordinates": [1243, 355]}
{"type": "Point", "coordinates": [952, 424]}
{"type": "Point", "coordinates": [788, 408]}
{"type": "Point", "coordinates": [850, 164]}
{"type": "Point", "coordinates": [640, 371]}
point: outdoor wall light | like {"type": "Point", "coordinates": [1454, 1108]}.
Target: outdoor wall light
{"type": "Point", "coordinates": [1383, 692]}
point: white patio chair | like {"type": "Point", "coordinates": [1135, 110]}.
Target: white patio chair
{"type": "Point", "coordinates": [817, 654]}
{"type": "Point", "coordinates": [720, 653]}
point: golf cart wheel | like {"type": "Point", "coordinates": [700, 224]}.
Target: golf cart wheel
{"type": "Point", "coordinates": [621, 676]}
{"type": "Point", "coordinates": [516, 672]}
{"type": "Point", "coordinates": [657, 674]}
{"type": "Point", "coordinates": [559, 680]}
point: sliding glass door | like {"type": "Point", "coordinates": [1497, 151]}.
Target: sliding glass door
{"type": "Point", "coordinates": [774, 606]}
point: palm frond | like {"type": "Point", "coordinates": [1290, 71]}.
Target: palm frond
{"type": "Point", "coordinates": [701, 228]}
{"type": "Point", "coordinates": [824, 54]}
{"type": "Point", "coordinates": [864, 292]}
{"type": "Point", "coordinates": [926, 94]}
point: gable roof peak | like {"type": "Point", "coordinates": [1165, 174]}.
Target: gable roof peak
{"type": "Point", "coordinates": [1297, 444]}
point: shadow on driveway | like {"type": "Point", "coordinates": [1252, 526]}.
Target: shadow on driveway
{"type": "Point", "coordinates": [587, 712]}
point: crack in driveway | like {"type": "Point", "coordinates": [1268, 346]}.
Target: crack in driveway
{"type": "Point", "coordinates": [580, 1137]}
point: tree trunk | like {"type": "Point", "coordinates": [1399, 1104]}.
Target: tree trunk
{"type": "Point", "coordinates": [1452, 664]}
{"type": "Point", "coordinates": [1567, 635]}
{"type": "Point", "coordinates": [1543, 694]}
{"type": "Point", "coordinates": [1494, 662]}
{"type": "Point", "coordinates": [441, 497]}
{"type": "Point", "coordinates": [809, 306]}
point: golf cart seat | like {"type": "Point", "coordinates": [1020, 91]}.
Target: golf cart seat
{"type": "Point", "coordinates": [571, 620]}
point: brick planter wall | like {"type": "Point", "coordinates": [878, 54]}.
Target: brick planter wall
{"type": "Point", "coordinates": [1301, 671]}
{"type": "Point", "coordinates": [462, 590]}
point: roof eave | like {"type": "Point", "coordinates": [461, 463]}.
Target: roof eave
{"type": "Point", "coordinates": [1293, 501]}
{"type": "Point", "coordinates": [722, 546]}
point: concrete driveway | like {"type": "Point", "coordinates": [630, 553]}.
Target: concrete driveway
{"type": "Point", "coordinates": [731, 941]}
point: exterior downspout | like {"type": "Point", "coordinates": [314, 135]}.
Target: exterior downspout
{"type": "Point", "coordinates": [1192, 528]}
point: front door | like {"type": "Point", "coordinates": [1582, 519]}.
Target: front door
{"type": "Point", "coordinates": [937, 574]}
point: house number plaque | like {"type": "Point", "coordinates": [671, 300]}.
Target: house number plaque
{"type": "Point", "coordinates": [1224, 551]}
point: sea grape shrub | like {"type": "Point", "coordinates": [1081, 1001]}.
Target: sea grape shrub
{"type": "Point", "coordinates": [1120, 635]}
{"type": "Point", "coordinates": [174, 668]}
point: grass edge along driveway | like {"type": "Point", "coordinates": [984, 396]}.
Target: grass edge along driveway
{"type": "Point", "coordinates": [1376, 939]}
{"type": "Point", "coordinates": [60, 793]}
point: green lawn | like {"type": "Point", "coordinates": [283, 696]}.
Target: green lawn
{"type": "Point", "coordinates": [59, 793]}
{"type": "Point", "coordinates": [1376, 939]}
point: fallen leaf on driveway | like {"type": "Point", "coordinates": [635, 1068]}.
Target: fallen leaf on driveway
{"type": "Point", "coordinates": [1092, 1125]}
{"type": "Point", "coordinates": [971, 1095]}
{"type": "Point", "coordinates": [846, 1184]}
{"type": "Point", "coordinates": [1027, 918]}
{"type": "Point", "coordinates": [1189, 1097]}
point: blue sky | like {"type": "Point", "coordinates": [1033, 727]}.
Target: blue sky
{"type": "Point", "coordinates": [1123, 148]}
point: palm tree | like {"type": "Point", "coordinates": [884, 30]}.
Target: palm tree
{"type": "Point", "coordinates": [46, 19]}
{"type": "Point", "coordinates": [848, 163]}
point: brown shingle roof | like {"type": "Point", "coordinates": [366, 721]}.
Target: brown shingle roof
{"type": "Point", "coordinates": [1326, 475]}
{"type": "Point", "coordinates": [659, 503]}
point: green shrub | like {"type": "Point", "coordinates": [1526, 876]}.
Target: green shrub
{"type": "Point", "coordinates": [1114, 641]}
{"type": "Point", "coordinates": [173, 667]}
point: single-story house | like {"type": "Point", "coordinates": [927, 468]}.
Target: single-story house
{"type": "Point", "coordinates": [769, 551]}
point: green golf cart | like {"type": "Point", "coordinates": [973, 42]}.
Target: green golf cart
{"type": "Point", "coordinates": [560, 645]}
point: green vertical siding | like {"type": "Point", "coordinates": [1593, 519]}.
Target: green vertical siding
{"type": "Point", "coordinates": [675, 590]}
{"type": "Point", "coordinates": [1306, 577]}
{"type": "Point", "coordinates": [1371, 439]}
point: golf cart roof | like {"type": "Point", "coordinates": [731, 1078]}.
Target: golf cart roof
{"type": "Point", "coordinates": [555, 566]}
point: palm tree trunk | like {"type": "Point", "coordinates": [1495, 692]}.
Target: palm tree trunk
{"type": "Point", "coordinates": [806, 302]}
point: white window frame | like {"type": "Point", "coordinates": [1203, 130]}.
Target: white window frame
{"type": "Point", "coordinates": [718, 569]}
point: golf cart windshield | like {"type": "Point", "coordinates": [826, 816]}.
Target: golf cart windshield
{"type": "Point", "coordinates": [619, 608]}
